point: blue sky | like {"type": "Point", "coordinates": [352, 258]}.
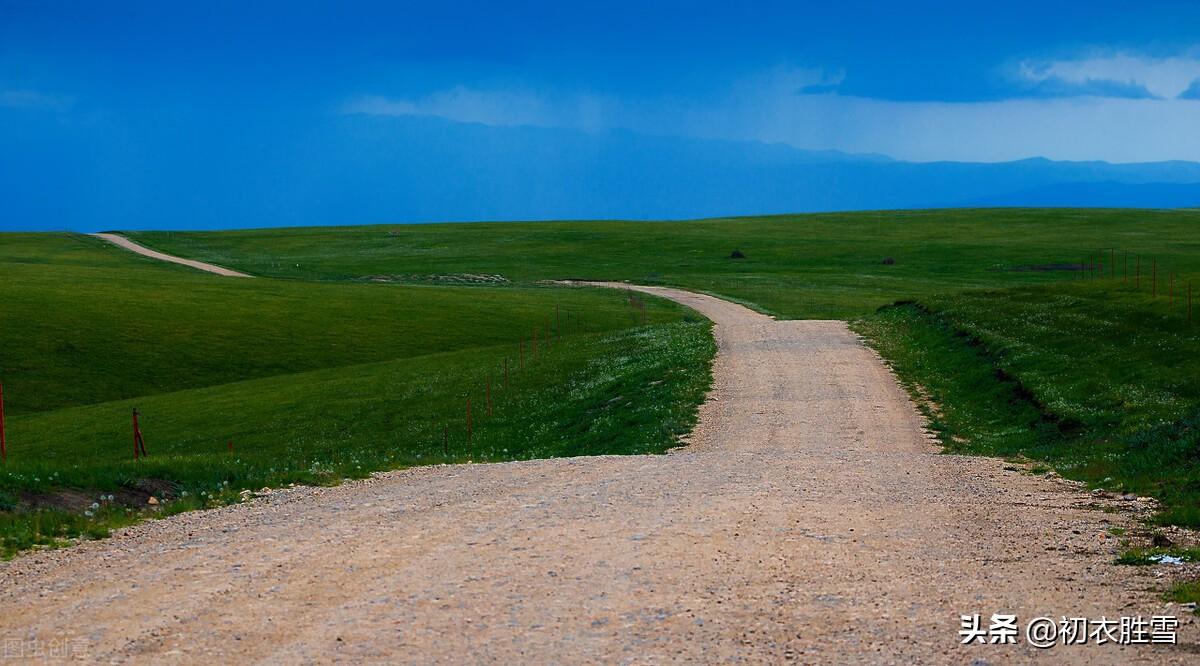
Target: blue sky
{"type": "Point", "coordinates": [1086, 80]}
{"type": "Point", "coordinates": [99, 91]}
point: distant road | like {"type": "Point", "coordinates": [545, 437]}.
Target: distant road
{"type": "Point", "coordinates": [124, 242]}
{"type": "Point", "coordinates": [809, 519]}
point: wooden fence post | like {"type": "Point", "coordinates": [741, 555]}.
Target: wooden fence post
{"type": "Point", "coordinates": [3, 442]}
{"type": "Point", "coordinates": [139, 444]}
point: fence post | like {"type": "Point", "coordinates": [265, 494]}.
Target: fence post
{"type": "Point", "coordinates": [139, 444]}
{"type": "Point", "coordinates": [3, 442]}
{"type": "Point", "coordinates": [229, 446]}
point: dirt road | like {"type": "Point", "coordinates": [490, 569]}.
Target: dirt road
{"type": "Point", "coordinates": [121, 241]}
{"type": "Point", "coordinates": [809, 519]}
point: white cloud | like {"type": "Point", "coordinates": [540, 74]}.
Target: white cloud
{"type": "Point", "coordinates": [1166, 77]}
{"type": "Point", "coordinates": [1073, 128]}
{"type": "Point", "coordinates": [777, 106]}
{"type": "Point", "coordinates": [491, 107]}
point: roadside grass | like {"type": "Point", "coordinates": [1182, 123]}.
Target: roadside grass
{"type": "Point", "coordinates": [1185, 592]}
{"type": "Point", "coordinates": [626, 392]}
{"type": "Point", "coordinates": [1147, 556]}
{"type": "Point", "coordinates": [310, 382]}
{"type": "Point", "coordinates": [83, 322]}
{"type": "Point", "coordinates": [1016, 355]}
{"type": "Point", "coordinates": [796, 266]}
{"type": "Point", "coordinates": [1095, 379]}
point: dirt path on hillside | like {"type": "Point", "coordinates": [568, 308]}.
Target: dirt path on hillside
{"type": "Point", "coordinates": [123, 242]}
{"type": "Point", "coordinates": [810, 519]}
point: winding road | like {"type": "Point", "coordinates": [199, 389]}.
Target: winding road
{"type": "Point", "coordinates": [809, 518]}
{"type": "Point", "coordinates": [123, 242]}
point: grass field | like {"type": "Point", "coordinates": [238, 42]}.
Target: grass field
{"type": "Point", "coordinates": [799, 266]}
{"type": "Point", "coordinates": [366, 341]}
{"type": "Point", "coordinates": [310, 382]}
{"type": "Point", "coordinates": [1096, 379]}
{"type": "Point", "coordinates": [1023, 355]}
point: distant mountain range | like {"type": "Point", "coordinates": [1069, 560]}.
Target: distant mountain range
{"type": "Point", "coordinates": [354, 169]}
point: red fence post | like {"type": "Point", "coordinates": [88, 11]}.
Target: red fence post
{"type": "Point", "coordinates": [3, 442]}
{"type": "Point", "coordinates": [229, 445]}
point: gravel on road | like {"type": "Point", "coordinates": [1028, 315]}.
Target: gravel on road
{"type": "Point", "coordinates": [810, 518]}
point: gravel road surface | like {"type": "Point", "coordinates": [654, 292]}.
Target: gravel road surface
{"type": "Point", "coordinates": [810, 518]}
{"type": "Point", "coordinates": [123, 242]}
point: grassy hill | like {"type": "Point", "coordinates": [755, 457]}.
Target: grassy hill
{"type": "Point", "coordinates": [311, 382]}
{"type": "Point", "coordinates": [1034, 332]}
{"type": "Point", "coordinates": [1016, 329]}
{"type": "Point", "coordinates": [796, 266]}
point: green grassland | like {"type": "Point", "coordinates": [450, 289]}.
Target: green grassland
{"type": "Point", "coordinates": [1022, 352]}
{"type": "Point", "coordinates": [310, 382]}
{"type": "Point", "coordinates": [1098, 380]}
{"type": "Point", "coordinates": [796, 266]}
{"type": "Point", "coordinates": [361, 346]}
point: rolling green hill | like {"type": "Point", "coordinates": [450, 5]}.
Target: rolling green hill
{"type": "Point", "coordinates": [797, 266]}
{"type": "Point", "coordinates": [1033, 331]}
{"type": "Point", "coordinates": [311, 382]}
